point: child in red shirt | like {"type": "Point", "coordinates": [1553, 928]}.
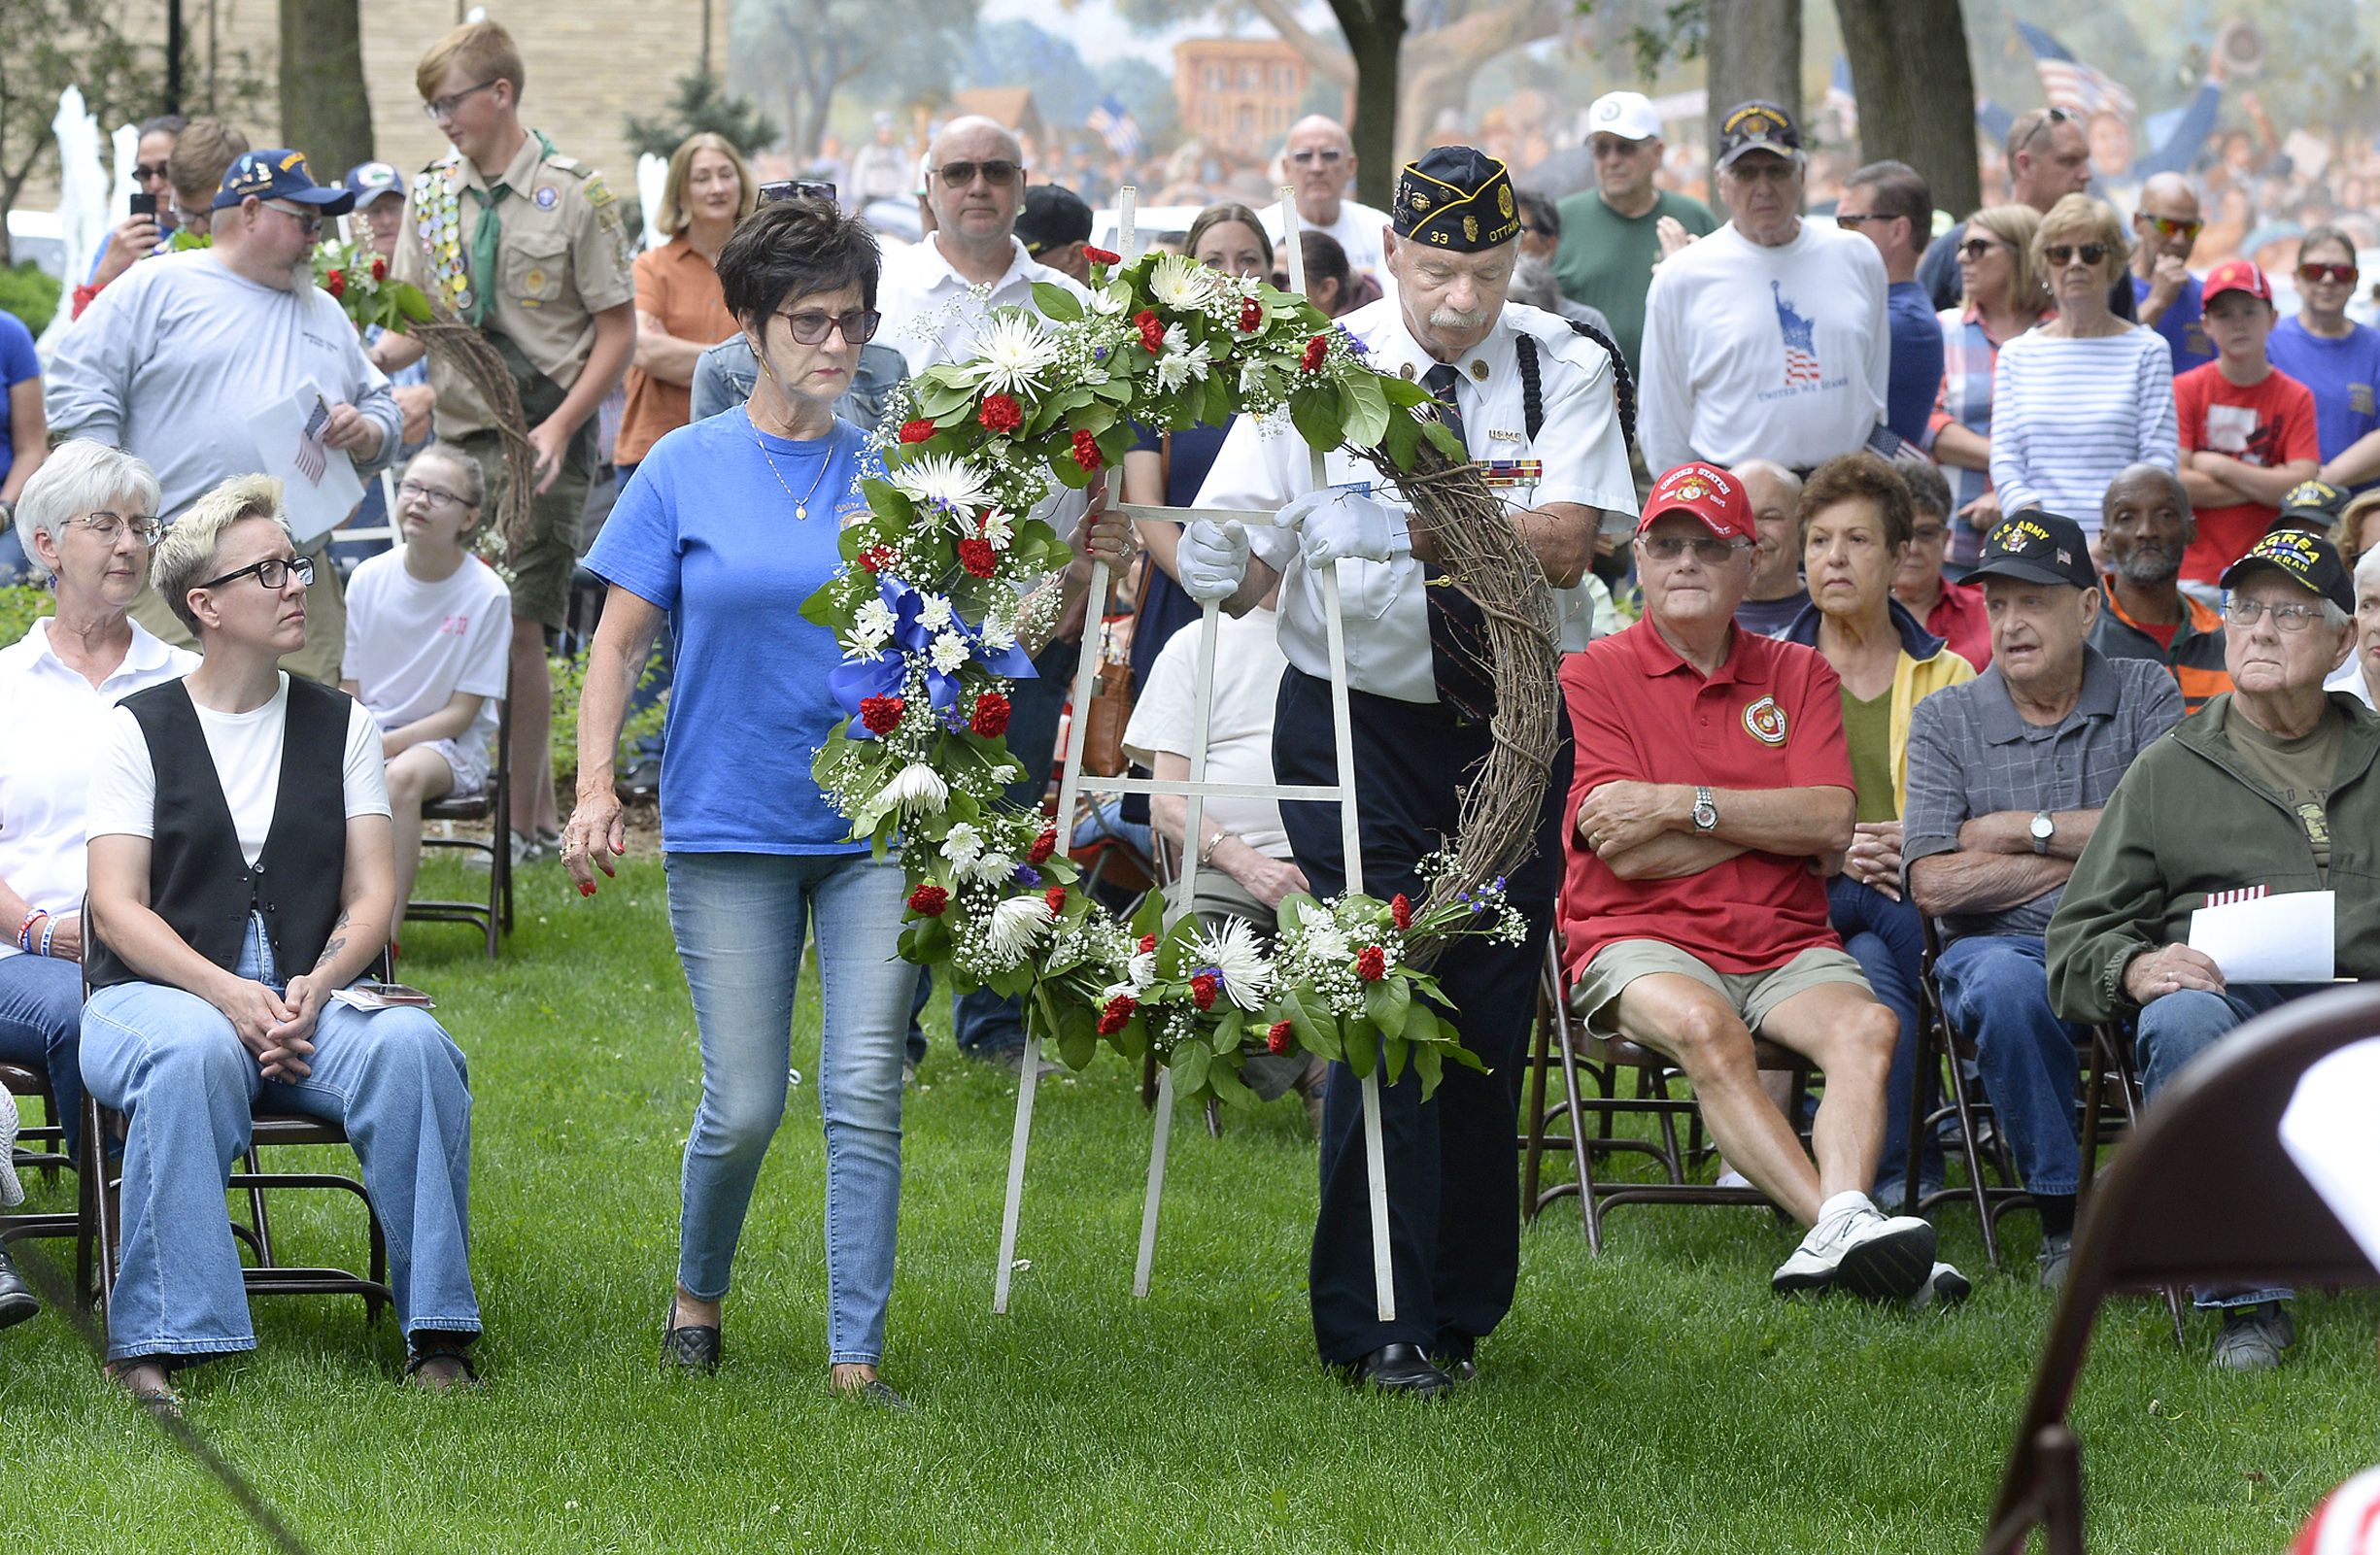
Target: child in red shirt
{"type": "Point", "coordinates": [2248, 432]}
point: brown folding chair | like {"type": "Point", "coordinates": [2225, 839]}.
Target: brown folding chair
{"type": "Point", "coordinates": [2204, 1193]}
{"type": "Point", "coordinates": [494, 805]}
{"type": "Point", "coordinates": [40, 1147]}
{"type": "Point", "coordinates": [1561, 1040]}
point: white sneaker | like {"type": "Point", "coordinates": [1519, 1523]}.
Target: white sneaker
{"type": "Point", "coordinates": [12, 1192]}
{"type": "Point", "coordinates": [1944, 1287]}
{"type": "Point", "coordinates": [1732, 1178]}
{"type": "Point", "coordinates": [1860, 1250]}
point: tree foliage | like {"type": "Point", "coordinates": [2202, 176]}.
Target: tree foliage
{"type": "Point", "coordinates": [47, 46]}
{"type": "Point", "coordinates": [701, 102]}
{"type": "Point", "coordinates": [811, 50]}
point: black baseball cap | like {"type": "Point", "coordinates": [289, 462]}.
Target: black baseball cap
{"type": "Point", "coordinates": [1758, 126]}
{"type": "Point", "coordinates": [1053, 217]}
{"type": "Point", "coordinates": [2305, 559]}
{"type": "Point", "coordinates": [2039, 548]}
{"type": "Point", "coordinates": [2312, 504]}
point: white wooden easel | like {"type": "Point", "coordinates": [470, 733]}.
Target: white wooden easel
{"type": "Point", "coordinates": [1196, 791]}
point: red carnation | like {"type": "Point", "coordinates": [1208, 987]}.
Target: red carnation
{"type": "Point", "coordinates": [1203, 990]}
{"type": "Point", "coordinates": [1000, 413]}
{"type": "Point", "coordinates": [335, 282]}
{"type": "Point", "coordinates": [1148, 944]}
{"type": "Point", "coordinates": [875, 558]}
{"type": "Point", "coordinates": [1401, 911]}
{"type": "Point", "coordinates": [978, 558]}
{"type": "Point", "coordinates": [1100, 255]}
{"type": "Point", "coordinates": [1276, 1040]}
{"type": "Point", "coordinates": [1086, 450]}
{"type": "Point", "coordinates": [1371, 963]}
{"type": "Point", "coordinates": [380, 268]}
{"type": "Point", "coordinates": [1251, 317]}
{"type": "Point", "coordinates": [1055, 895]}
{"type": "Point", "coordinates": [991, 721]}
{"type": "Point", "coordinates": [1117, 1013]}
{"type": "Point", "coordinates": [1152, 330]}
{"type": "Point", "coordinates": [1042, 846]}
{"type": "Point", "coordinates": [929, 901]}
{"type": "Point", "coordinates": [1316, 350]}
{"type": "Point", "coordinates": [881, 714]}
{"type": "Point", "coordinates": [917, 431]}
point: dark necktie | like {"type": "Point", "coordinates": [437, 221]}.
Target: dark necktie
{"type": "Point", "coordinates": [1459, 654]}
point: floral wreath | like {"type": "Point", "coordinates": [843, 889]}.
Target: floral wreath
{"type": "Point", "coordinates": [926, 607]}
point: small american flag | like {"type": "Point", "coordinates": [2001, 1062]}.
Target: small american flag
{"type": "Point", "coordinates": [2070, 84]}
{"type": "Point", "coordinates": [1112, 122]}
{"type": "Point", "coordinates": [313, 458]}
{"type": "Point", "coordinates": [2225, 898]}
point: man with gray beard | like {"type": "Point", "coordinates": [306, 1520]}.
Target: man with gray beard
{"type": "Point", "coordinates": [2146, 524]}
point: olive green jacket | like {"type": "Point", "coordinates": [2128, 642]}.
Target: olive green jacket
{"type": "Point", "coordinates": [2190, 820]}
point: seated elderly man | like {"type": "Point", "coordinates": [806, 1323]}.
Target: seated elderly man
{"type": "Point", "coordinates": [2145, 525]}
{"type": "Point", "coordinates": [1711, 783]}
{"type": "Point", "coordinates": [2007, 775]}
{"type": "Point", "coordinates": [2270, 787]}
{"type": "Point", "coordinates": [1244, 856]}
{"type": "Point", "coordinates": [242, 875]}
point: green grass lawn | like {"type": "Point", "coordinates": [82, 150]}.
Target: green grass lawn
{"type": "Point", "coordinates": [1657, 1398]}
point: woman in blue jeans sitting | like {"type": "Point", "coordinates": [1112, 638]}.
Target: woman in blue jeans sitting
{"type": "Point", "coordinates": [242, 874]}
{"type": "Point", "coordinates": [728, 526]}
{"type": "Point", "coordinates": [1857, 523]}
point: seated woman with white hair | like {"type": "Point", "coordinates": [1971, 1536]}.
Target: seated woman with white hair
{"type": "Point", "coordinates": [232, 899]}
{"type": "Point", "coordinates": [89, 517]}
{"type": "Point", "coordinates": [2361, 673]}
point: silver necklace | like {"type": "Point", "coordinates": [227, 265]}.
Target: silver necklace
{"type": "Point", "coordinates": [801, 503]}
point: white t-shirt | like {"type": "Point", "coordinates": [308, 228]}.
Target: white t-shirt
{"type": "Point", "coordinates": [247, 752]}
{"type": "Point", "coordinates": [1248, 665]}
{"type": "Point", "coordinates": [1358, 229]}
{"type": "Point", "coordinates": [412, 645]}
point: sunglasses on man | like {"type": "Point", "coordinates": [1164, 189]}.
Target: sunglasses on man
{"type": "Point", "coordinates": [2165, 226]}
{"type": "Point", "coordinates": [999, 173]}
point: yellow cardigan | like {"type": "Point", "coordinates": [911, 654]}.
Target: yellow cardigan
{"type": "Point", "coordinates": [1912, 681]}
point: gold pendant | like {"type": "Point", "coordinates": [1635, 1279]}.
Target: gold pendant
{"type": "Point", "coordinates": [801, 512]}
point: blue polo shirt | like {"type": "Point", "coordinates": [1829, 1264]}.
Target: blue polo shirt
{"type": "Point", "coordinates": [2344, 374]}
{"type": "Point", "coordinates": [2184, 325]}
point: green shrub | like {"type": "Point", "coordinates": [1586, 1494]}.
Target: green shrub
{"type": "Point", "coordinates": [19, 608]}
{"type": "Point", "coordinates": [569, 682]}
{"type": "Point", "coordinates": [30, 293]}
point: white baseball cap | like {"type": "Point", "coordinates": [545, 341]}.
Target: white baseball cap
{"type": "Point", "coordinates": [1630, 116]}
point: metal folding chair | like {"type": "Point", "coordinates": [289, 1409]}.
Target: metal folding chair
{"type": "Point", "coordinates": [494, 805]}
{"type": "Point", "coordinates": [40, 1147]}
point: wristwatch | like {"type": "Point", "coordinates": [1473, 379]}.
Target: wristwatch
{"type": "Point", "coordinates": [2042, 829]}
{"type": "Point", "coordinates": [1706, 813]}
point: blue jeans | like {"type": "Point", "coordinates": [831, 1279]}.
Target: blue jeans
{"type": "Point", "coordinates": [173, 1065]}
{"type": "Point", "coordinates": [1888, 940]}
{"type": "Point", "coordinates": [2175, 1030]}
{"type": "Point", "coordinates": [41, 1026]}
{"type": "Point", "coordinates": [1996, 991]}
{"type": "Point", "coordinates": [741, 919]}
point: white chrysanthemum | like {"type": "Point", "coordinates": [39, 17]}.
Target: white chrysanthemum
{"type": "Point", "coordinates": [870, 629]}
{"type": "Point", "coordinates": [962, 845]}
{"type": "Point", "coordinates": [999, 633]}
{"type": "Point", "coordinates": [1015, 929]}
{"type": "Point", "coordinates": [1234, 951]}
{"type": "Point", "coordinates": [1014, 353]}
{"type": "Point", "coordinates": [934, 611]}
{"type": "Point", "coordinates": [1181, 282]}
{"type": "Point", "coordinates": [940, 478]}
{"type": "Point", "coordinates": [948, 653]}
{"type": "Point", "coordinates": [1251, 379]}
{"type": "Point", "coordinates": [1325, 940]}
{"type": "Point", "coordinates": [998, 528]}
{"type": "Point", "coordinates": [917, 789]}
{"type": "Point", "coordinates": [1108, 301]}
{"type": "Point", "coordinates": [1141, 971]}
{"type": "Point", "coordinates": [1178, 367]}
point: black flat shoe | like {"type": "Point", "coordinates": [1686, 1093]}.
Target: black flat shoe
{"type": "Point", "coordinates": [16, 1300]}
{"type": "Point", "coordinates": [1399, 1368]}
{"type": "Point", "coordinates": [692, 1348]}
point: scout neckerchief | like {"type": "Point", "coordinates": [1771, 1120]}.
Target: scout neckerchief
{"type": "Point", "coordinates": [440, 229]}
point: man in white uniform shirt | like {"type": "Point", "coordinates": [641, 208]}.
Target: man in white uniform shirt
{"type": "Point", "coordinates": [1536, 403]}
{"type": "Point", "coordinates": [1318, 160]}
{"type": "Point", "coordinates": [1768, 338]}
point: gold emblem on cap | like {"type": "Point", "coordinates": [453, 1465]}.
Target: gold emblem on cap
{"type": "Point", "coordinates": [1479, 369]}
{"type": "Point", "coordinates": [1689, 490]}
{"type": "Point", "coordinates": [1418, 200]}
{"type": "Point", "coordinates": [1408, 371]}
{"type": "Point", "coordinates": [1471, 229]}
{"type": "Point", "coordinates": [1504, 199]}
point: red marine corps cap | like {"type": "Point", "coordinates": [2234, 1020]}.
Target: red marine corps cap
{"type": "Point", "coordinates": [1707, 492]}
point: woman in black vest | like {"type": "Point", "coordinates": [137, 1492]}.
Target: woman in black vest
{"type": "Point", "coordinates": [242, 872]}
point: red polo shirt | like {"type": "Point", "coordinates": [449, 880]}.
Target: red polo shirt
{"type": "Point", "coordinates": [1958, 618]}
{"type": "Point", "coordinates": [1771, 717]}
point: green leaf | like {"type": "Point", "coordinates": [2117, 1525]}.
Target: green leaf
{"type": "Point", "coordinates": [1360, 1043]}
{"type": "Point", "coordinates": [1386, 1002]}
{"type": "Point", "coordinates": [1393, 1053]}
{"type": "Point", "coordinates": [1191, 1061]}
{"type": "Point", "coordinates": [935, 400]}
{"type": "Point", "coordinates": [1056, 302]}
{"type": "Point", "coordinates": [1429, 1063]}
{"type": "Point", "coordinates": [1315, 413]}
{"type": "Point", "coordinates": [1293, 909]}
{"type": "Point", "coordinates": [1223, 1078]}
{"type": "Point", "coordinates": [1367, 414]}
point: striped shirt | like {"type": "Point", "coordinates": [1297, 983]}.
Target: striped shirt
{"type": "Point", "coordinates": [1969, 355]}
{"type": "Point", "coordinates": [2068, 414]}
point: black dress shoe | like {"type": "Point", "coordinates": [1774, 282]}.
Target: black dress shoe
{"type": "Point", "coordinates": [1459, 1368]}
{"type": "Point", "coordinates": [688, 1348]}
{"type": "Point", "coordinates": [1400, 1368]}
{"type": "Point", "coordinates": [16, 1300]}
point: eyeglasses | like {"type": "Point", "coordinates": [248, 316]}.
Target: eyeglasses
{"type": "Point", "coordinates": [2241, 612]}
{"type": "Point", "coordinates": [273, 572]}
{"type": "Point", "coordinates": [1709, 549]}
{"type": "Point", "coordinates": [2058, 253]}
{"type": "Point", "coordinates": [1974, 249]}
{"type": "Point", "coordinates": [809, 326]}
{"type": "Point", "coordinates": [309, 222]}
{"type": "Point", "coordinates": [2166, 227]}
{"type": "Point", "coordinates": [443, 109]}
{"type": "Point", "coordinates": [148, 172]}
{"type": "Point", "coordinates": [2339, 273]}
{"type": "Point", "coordinates": [2048, 117]}
{"type": "Point", "coordinates": [106, 526]}
{"type": "Point", "coordinates": [1000, 173]}
{"type": "Point", "coordinates": [1861, 218]}
{"type": "Point", "coordinates": [435, 496]}
{"type": "Point", "coordinates": [1328, 156]}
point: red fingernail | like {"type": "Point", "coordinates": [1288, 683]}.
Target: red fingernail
{"type": "Point", "coordinates": [586, 887]}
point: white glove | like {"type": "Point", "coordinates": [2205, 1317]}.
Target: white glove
{"type": "Point", "coordinates": [1335, 524]}
{"type": "Point", "coordinates": [1211, 559]}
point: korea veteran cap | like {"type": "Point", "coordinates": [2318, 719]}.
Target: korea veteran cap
{"type": "Point", "coordinates": [1455, 199]}
{"type": "Point", "coordinates": [1757, 127]}
{"type": "Point", "coordinates": [278, 173]}
{"type": "Point", "coordinates": [2037, 547]}
{"type": "Point", "coordinates": [2305, 559]}
{"type": "Point", "coordinates": [1705, 491]}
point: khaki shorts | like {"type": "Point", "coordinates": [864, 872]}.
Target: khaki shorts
{"type": "Point", "coordinates": [326, 620]}
{"type": "Point", "coordinates": [540, 572]}
{"type": "Point", "coordinates": [1751, 995]}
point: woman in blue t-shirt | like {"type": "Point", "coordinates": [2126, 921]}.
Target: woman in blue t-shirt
{"type": "Point", "coordinates": [2334, 356]}
{"type": "Point", "coordinates": [729, 524]}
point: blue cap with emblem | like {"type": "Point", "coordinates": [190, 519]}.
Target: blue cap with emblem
{"type": "Point", "coordinates": [1458, 198]}
{"type": "Point", "coordinates": [278, 173]}
{"type": "Point", "coordinates": [368, 181]}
